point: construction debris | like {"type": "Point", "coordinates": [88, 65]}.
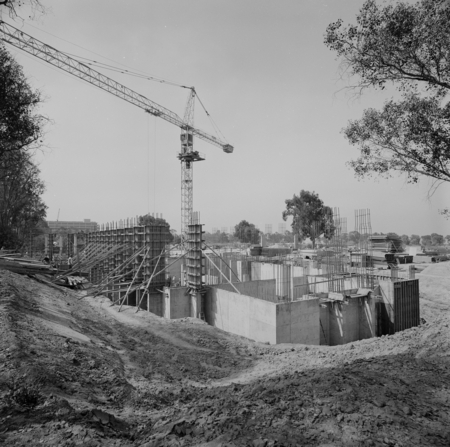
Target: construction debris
{"type": "Point", "coordinates": [25, 266]}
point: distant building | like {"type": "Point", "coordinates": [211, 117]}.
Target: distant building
{"type": "Point", "coordinates": [281, 228]}
{"type": "Point", "coordinates": [268, 229]}
{"type": "Point", "coordinates": [73, 226]}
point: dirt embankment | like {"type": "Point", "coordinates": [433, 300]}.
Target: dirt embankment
{"type": "Point", "coordinates": [74, 371]}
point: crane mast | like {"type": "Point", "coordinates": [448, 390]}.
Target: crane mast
{"type": "Point", "coordinates": [187, 155]}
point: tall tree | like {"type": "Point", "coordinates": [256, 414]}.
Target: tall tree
{"type": "Point", "coordinates": [406, 45]}
{"type": "Point", "coordinates": [247, 232]}
{"type": "Point", "coordinates": [21, 206]}
{"type": "Point", "coordinates": [21, 127]}
{"type": "Point", "coordinates": [21, 130]}
{"type": "Point", "coordinates": [310, 217]}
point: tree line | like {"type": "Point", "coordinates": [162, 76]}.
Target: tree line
{"type": "Point", "coordinates": [22, 209]}
{"type": "Point", "coordinates": [432, 239]}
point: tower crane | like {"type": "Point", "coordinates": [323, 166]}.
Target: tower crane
{"type": "Point", "coordinates": [187, 155]}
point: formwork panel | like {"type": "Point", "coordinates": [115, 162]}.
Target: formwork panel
{"type": "Point", "coordinates": [145, 243]}
{"type": "Point", "coordinates": [398, 308]}
{"type": "Point", "coordinates": [406, 304]}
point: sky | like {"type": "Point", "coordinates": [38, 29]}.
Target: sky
{"type": "Point", "coordinates": [266, 78]}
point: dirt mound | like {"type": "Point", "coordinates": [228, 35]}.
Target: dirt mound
{"type": "Point", "coordinates": [75, 371]}
{"type": "Point", "coordinates": [64, 357]}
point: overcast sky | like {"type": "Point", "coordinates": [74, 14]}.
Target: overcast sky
{"type": "Point", "coordinates": [268, 81]}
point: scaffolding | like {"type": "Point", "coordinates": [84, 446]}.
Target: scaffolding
{"type": "Point", "coordinates": [362, 264]}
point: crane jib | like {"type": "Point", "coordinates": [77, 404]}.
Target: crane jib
{"type": "Point", "coordinates": [27, 43]}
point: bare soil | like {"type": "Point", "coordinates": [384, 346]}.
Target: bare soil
{"type": "Point", "coordinates": [76, 372]}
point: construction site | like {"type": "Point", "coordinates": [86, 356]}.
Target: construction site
{"type": "Point", "coordinates": [114, 335]}
{"type": "Point", "coordinates": [333, 299]}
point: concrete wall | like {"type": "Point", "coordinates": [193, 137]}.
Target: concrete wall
{"type": "Point", "coordinates": [177, 303]}
{"type": "Point", "coordinates": [241, 314]}
{"type": "Point", "coordinates": [261, 320]}
{"type": "Point", "coordinates": [300, 287]}
{"type": "Point", "coordinates": [155, 303]}
{"type": "Point", "coordinates": [367, 317]}
{"type": "Point", "coordinates": [264, 289]}
{"type": "Point", "coordinates": [243, 270]}
{"type": "Point", "coordinates": [349, 320]}
{"type": "Point", "coordinates": [324, 324]}
{"type": "Point", "coordinates": [298, 322]}
{"type": "Point", "coordinates": [343, 322]}
{"type": "Point", "coordinates": [195, 305]}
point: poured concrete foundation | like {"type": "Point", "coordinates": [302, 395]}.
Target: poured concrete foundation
{"type": "Point", "coordinates": [281, 307]}
{"type": "Point", "coordinates": [261, 320]}
{"type": "Point", "coordinates": [352, 319]}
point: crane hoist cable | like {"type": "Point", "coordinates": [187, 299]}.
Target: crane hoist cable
{"type": "Point", "coordinates": [187, 154]}
{"type": "Point", "coordinates": [156, 78]}
{"type": "Point", "coordinates": [131, 72]}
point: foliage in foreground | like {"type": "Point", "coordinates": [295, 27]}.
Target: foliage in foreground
{"type": "Point", "coordinates": [21, 132]}
{"type": "Point", "coordinates": [407, 46]}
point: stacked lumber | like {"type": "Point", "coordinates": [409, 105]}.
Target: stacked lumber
{"type": "Point", "coordinates": [25, 266]}
{"type": "Point", "coordinates": [73, 282]}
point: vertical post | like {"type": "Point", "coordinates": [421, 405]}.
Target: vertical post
{"type": "Point", "coordinates": [194, 264]}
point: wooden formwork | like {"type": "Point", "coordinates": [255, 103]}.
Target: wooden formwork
{"type": "Point", "coordinates": [143, 246]}
{"type": "Point", "coordinates": [398, 306]}
{"type": "Point", "coordinates": [194, 258]}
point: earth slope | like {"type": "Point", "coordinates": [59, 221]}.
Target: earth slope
{"type": "Point", "coordinates": [75, 371]}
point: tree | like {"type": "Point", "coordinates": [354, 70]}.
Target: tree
{"type": "Point", "coordinates": [216, 238]}
{"type": "Point", "coordinates": [148, 219]}
{"type": "Point", "coordinates": [310, 217]}
{"type": "Point", "coordinates": [247, 232]}
{"type": "Point", "coordinates": [395, 242]}
{"type": "Point", "coordinates": [354, 237]}
{"type": "Point", "coordinates": [425, 240]}
{"type": "Point", "coordinates": [405, 239]}
{"type": "Point", "coordinates": [11, 6]}
{"type": "Point", "coordinates": [176, 238]}
{"type": "Point", "coordinates": [447, 238]}
{"type": "Point", "coordinates": [415, 239]}
{"type": "Point", "coordinates": [21, 207]}
{"type": "Point", "coordinates": [437, 239]}
{"type": "Point", "coordinates": [288, 237]}
{"type": "Point", "coordinates": [405, 45]}
{"type": "Point", "coordinates": [392, 235]}
{"type": "Point", "coordinates": [411, 136]}
{"type": "Point", "coordinates": [21, 130]}
{"type": "Point", "coordinates": [21, 127]}
{"type": "Point", "coordinates": [276, 238]}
